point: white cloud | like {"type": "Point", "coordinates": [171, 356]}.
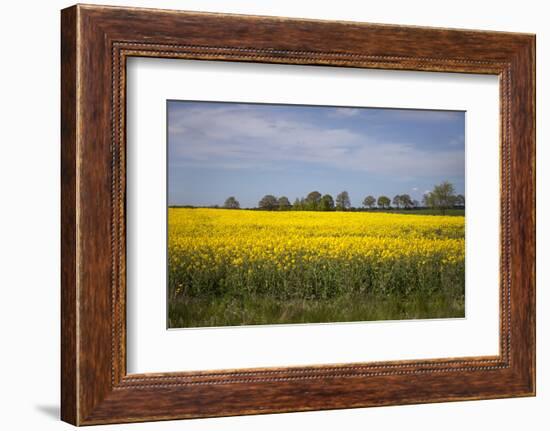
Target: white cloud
{"type": "Point", "coordinates": [458, 141]}
{"type": "Point", "coordinates": [344, 112]}
{"type": "Point", "coordinates": [240, 137]}
{"type": "Point", "coordinates": [419, 115]}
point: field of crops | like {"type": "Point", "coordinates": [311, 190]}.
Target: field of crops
{"type": "Point", "coordinates": [239, 267]}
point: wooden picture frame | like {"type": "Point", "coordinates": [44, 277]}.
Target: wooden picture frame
{"type": "Point", "coordinates": [95, 43]}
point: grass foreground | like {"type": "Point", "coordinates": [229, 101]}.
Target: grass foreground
{"type": "Point", "coordinates": [237, 267]}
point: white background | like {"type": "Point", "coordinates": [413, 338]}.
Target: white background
{"type": "Point", "coordinates": [151, 348]}
{"type": "Point", "coordinates": [29, 224]}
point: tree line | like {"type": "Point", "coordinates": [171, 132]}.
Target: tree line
{"type": "Point", "coordinates": [442, 197]}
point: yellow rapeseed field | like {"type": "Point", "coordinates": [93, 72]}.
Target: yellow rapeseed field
{"type": "Point", "coordinates": [239, 255]}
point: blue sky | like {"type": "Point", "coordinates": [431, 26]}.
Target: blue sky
{"type": "Point", "coordinates": [216, 150]}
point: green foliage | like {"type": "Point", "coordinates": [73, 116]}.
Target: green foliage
{"type": "Point", "coordinates": [403, 201]}
{"type": "Point", "coordinates": [320, 292]}
{"type": "Point", "coordinates": [369, 202]}
{"type": "Point", "coordinates": [284, 203]}
{"type": "Point", "coordinates": [443, 197]}
{"type": "Point", "coordinates": [195, 312]}
{"type": "Point", "coordinates": [327, 203]}
{"type": "Point", "coordinates": [231, 203]}
{"type": "Point", "coordinates": [268, 202]}
{"type": "Point", "coordinates": [342, 201]}
{"type": "Point", "coordinates": [313, 200]}
{"type": "Point", "coordinates": [383, 202]}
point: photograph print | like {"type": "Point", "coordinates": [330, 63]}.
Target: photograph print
{"type": "Point", "coordinates": [295, 214]}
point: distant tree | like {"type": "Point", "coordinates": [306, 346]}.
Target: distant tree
{"type": "Point", "coordinates": [268, 202]}
{"type": "Point", "coordinates": [383, 202]}
{"type": "Point", "coordinates": [427, 199]}
{"type": "Point", "coordinates": [460, 201]}
{"type": "Point", "coordinates": [342, 201]}
{"type": "Point", "coordinates": [312, 200]}
{"type": "Point", "coordinates": [231, 203]}
{"type": "Point", "coordinates": [297, 206]}
{"type": "Point", "coordinates": [369, 202]}
{"type": "Point", "coordinates": [326, 203]}
{"type": "Point", "coordinates": [284, 203]}
{"type": "Point", "coordinates": [415, 203]}
{"type": "Point", "coordinates": [406, 201]}
{"type": "Point", "coordinates": [442, 197]}
{"type": "Point", "coordinates": [397, 201]}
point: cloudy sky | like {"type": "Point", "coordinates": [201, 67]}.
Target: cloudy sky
{"type": "Point", "coordinates": [216, 150]}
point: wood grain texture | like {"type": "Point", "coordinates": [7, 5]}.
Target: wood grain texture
{"type": "Point", "coordinates": [96, 41]}
{"type": "Point", "coordinates": [69, 366]}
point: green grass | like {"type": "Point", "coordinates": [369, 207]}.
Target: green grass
{"type": "Point", "coordinates": [355, 294]}
{"type": "Point", "coordinates": [195, 312]}
{"type": "Point", "coordinates": [352, 291]}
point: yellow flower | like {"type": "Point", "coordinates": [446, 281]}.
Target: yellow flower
{"type": "Point", "coordinates": [210, 239]}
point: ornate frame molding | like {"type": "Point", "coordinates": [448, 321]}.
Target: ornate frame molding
{"type": "Point", "coordinates": [96, 41]}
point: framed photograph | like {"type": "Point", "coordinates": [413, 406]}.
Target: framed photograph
{"type": "Point", "coordinates": [238, 255]}
{"type": "Point", "coordinates": [263, 214]}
